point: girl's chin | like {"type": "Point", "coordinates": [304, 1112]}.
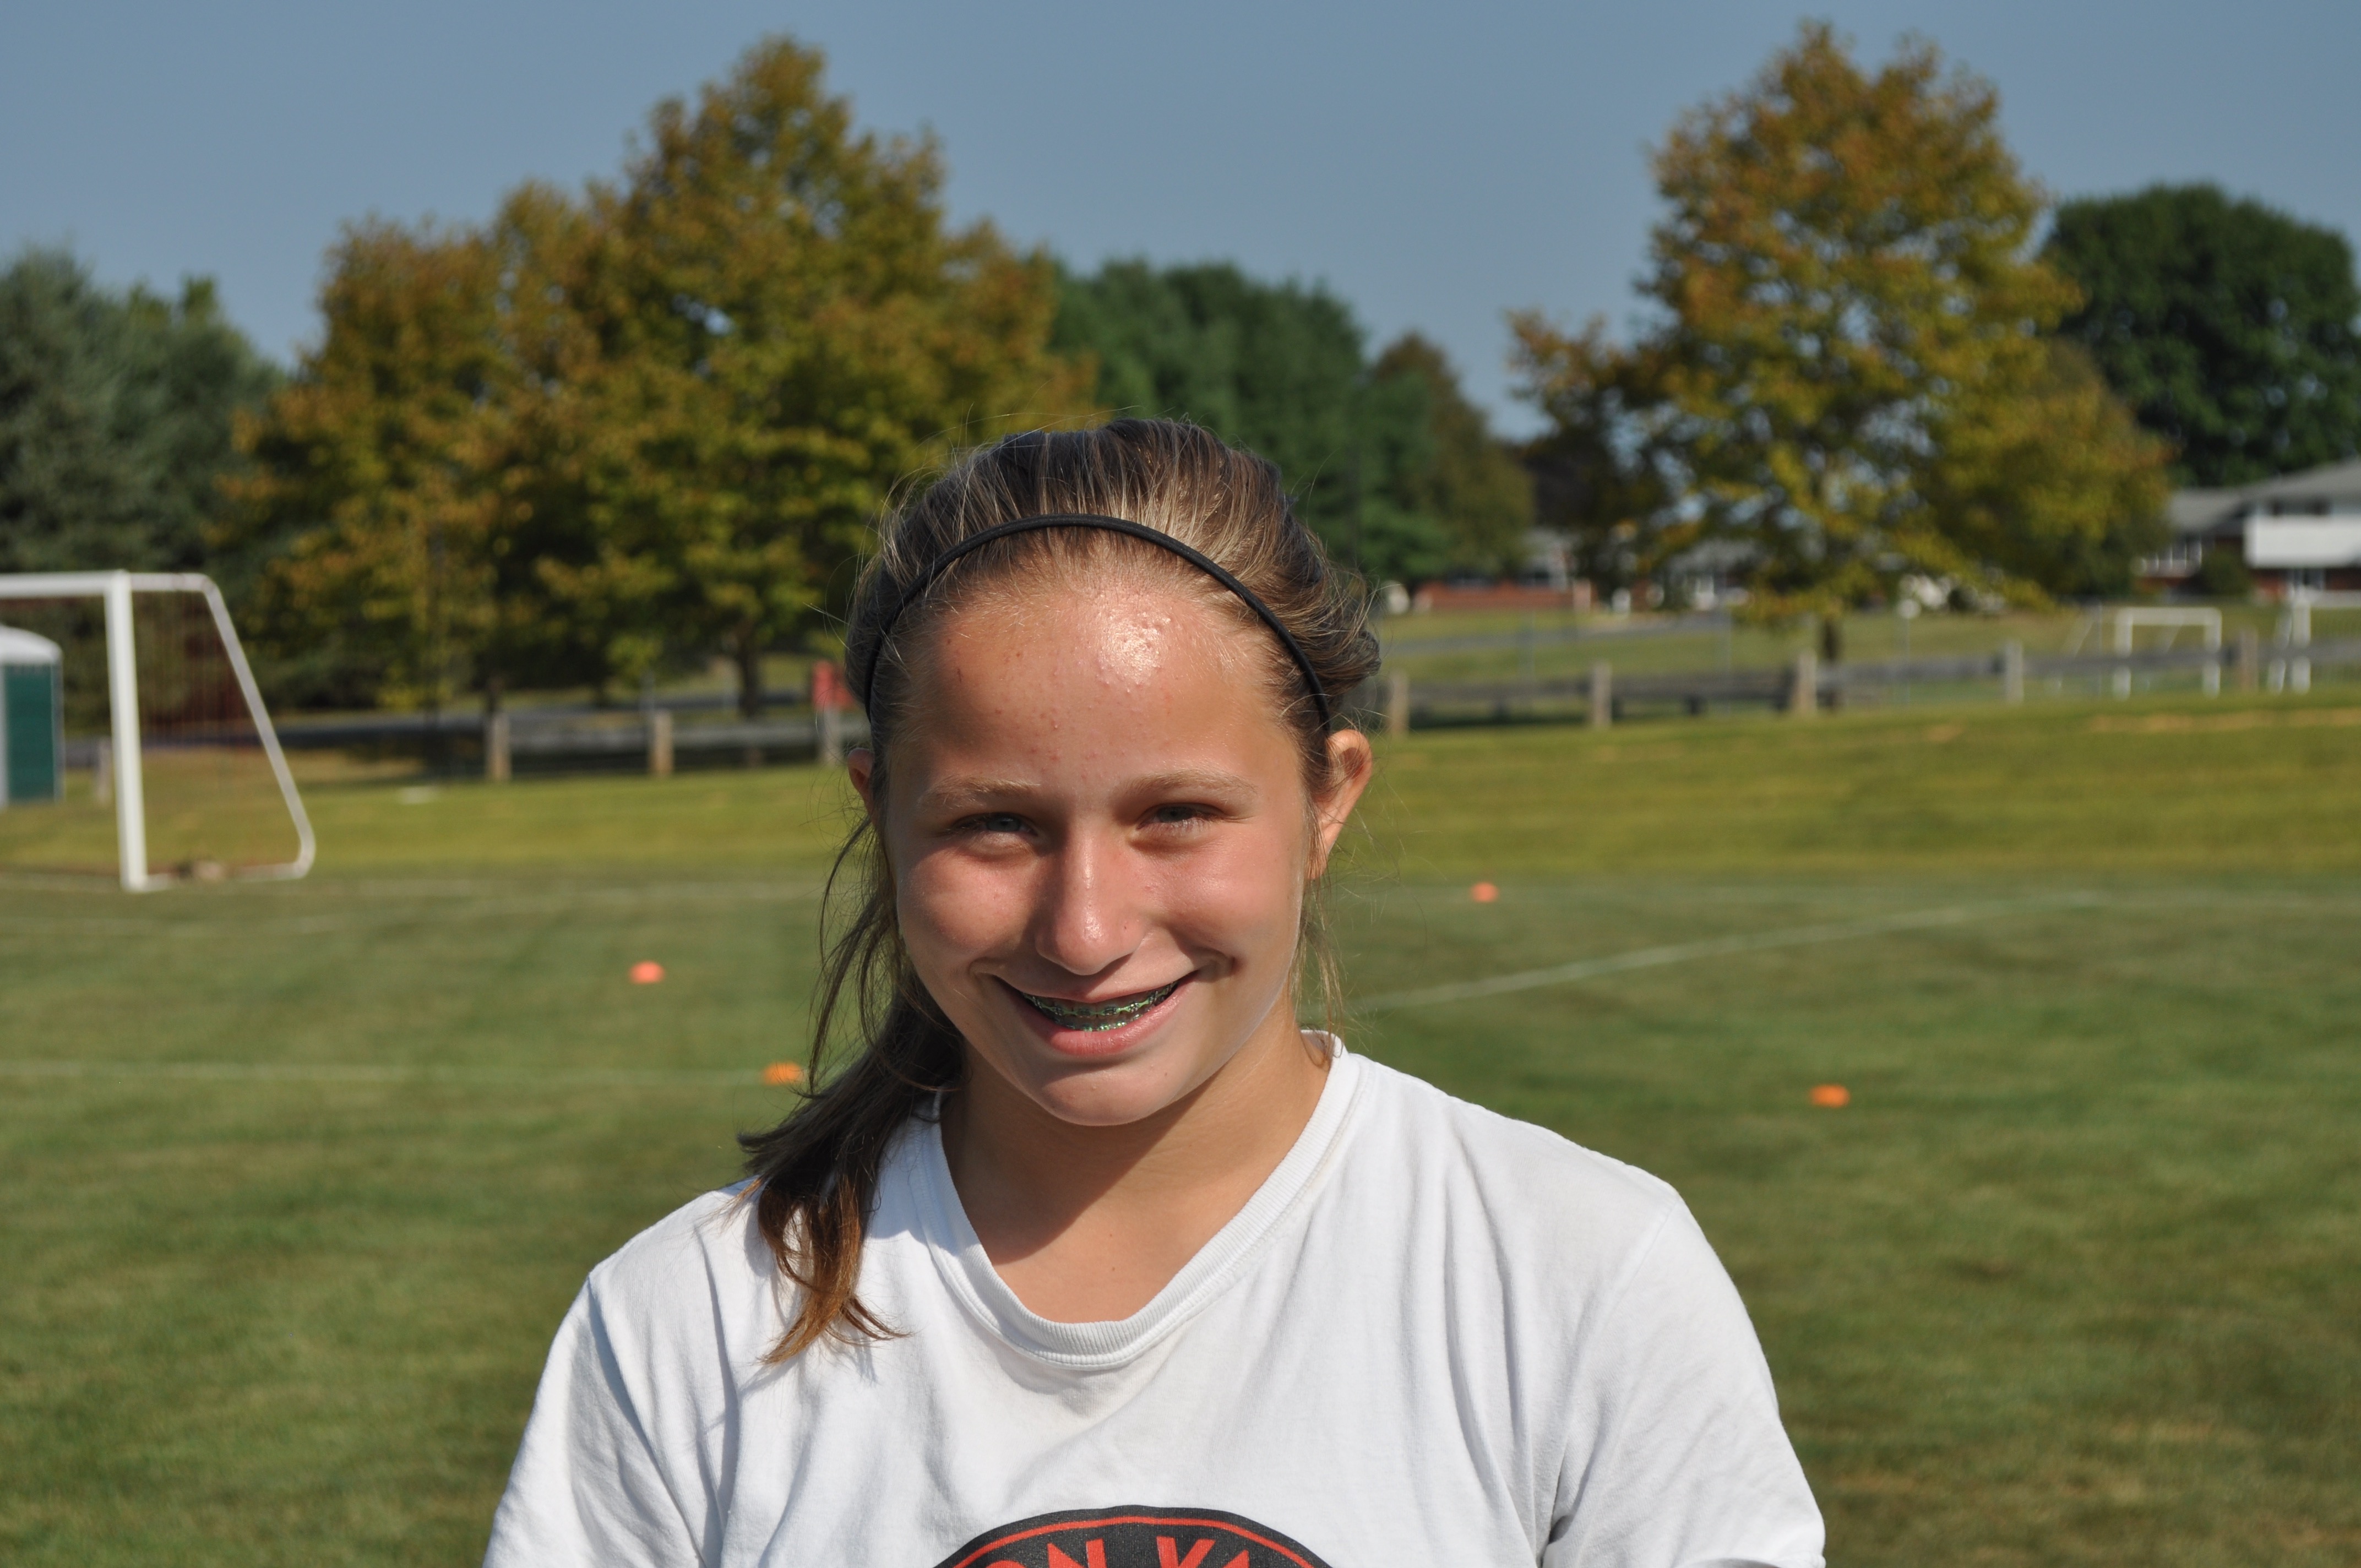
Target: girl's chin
{"type": "Point", "coordinates": [1095, 1102]}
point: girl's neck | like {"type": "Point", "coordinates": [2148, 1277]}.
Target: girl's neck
{"type": "Point", "coordinates": [1086, 1225]}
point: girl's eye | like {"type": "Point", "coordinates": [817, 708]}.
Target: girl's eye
{"type": "Point", "coordinates": [996, 822]}
{"type": "Point", "coordinates": [1177, 816]}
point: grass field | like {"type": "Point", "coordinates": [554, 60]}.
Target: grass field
{"type": "Point", "coordinates": [295, 1180]}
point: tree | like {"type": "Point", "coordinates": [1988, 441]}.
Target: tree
{"type": "Point", "coordinates": [373, 508]}
{"type": "Point", "coordinates": [1281, 369]}
{"type": "Point", "coordinates": [2230, 328]}
{"type": "Point", "coordinates": [1471, 485]}
{"type": "Point", "coordinates": [1605, 473]}
{"type": "Point", "coordinates": [654, 423]}
{"type": "Point", "coordinates": [785, 327]}
{"type": "Point", "coordinates": [1388, 462]}
{"type": "Point", "coordinates": [1851, 326]}
{"type": "Point", "coordinates": [2053, 485]}
{"type": "Point", "coordinates": [116, 418]}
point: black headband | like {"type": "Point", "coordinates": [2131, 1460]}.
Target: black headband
{"type": "Point", "coordinates": [1156, 537]}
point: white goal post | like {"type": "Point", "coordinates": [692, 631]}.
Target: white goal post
{"type": "Point", "coordinates": [2292, 670]}
{"type": "Point", "coordinates": [2208, 620]}
{"type": "Point", "coordinates": [115, 589]}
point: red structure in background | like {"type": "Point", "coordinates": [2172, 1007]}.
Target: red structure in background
{"type": "Point", "coordinates": [1501, 596]}
{"type": "Point", "coordinates": [830, 694]}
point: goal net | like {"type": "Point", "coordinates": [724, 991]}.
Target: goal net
{"type": "Point", "coordinates": [133, 739]}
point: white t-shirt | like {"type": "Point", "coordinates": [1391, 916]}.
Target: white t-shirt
{"type": "Point", "coordinates": [1434, 1335]}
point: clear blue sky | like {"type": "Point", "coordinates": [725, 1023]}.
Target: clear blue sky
{"type": "Point", "coordinates": [1436, 165]}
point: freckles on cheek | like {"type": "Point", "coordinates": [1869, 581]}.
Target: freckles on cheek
{"type": "Point", "coordinates": [952, 906]}
{"type": "Point", "coordinates": [1242, 900]}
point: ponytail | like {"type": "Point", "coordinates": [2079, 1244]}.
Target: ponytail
{"type": "Point", "coordinates": [818, 1170]}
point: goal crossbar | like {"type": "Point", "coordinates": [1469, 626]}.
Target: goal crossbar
{"type": "Point", "coordinates": [115, 588]}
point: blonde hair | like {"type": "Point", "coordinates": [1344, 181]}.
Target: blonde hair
{"type": "Point", "coordinates": [818, 1170]}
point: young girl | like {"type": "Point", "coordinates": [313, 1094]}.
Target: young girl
{"type": "Point", "coordinates": [1091, 1258]}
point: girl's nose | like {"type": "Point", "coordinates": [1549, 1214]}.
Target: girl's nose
{"type": "Point", "coordinates": [1087, 919]}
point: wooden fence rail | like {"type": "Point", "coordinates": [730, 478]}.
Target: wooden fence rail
{"type": "Point", "coordinates": [1604, 694]}
{"type": "Point", "coordinates": [1601, 696]}
{"type": "Point", "coordinates": [555, 733]}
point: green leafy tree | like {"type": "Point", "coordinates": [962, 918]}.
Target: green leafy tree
{"type": "Point", "coordinates": [413, 509]}
{"type": "Point", "coordinates": [2230, 328]}
{"type": "Point", "coordinates": [1851, 326]}
{"type": "Point", "coordinates": [115, 418]}
{"type": "Point", "coordinates": [1279, 369]}
{"type": "Point", "coordinates": [786, 325]}
{"type": "Point", "coordinates": [373, 507]}
{"type": "Point", "coordinates": [652, 424]}
{"type": "Point", "coordinates": [1470, 485]}
{"type": "Point", "coordinates": [1605, 474]}
{"type": "Point", "coordinates": [2054, 485]}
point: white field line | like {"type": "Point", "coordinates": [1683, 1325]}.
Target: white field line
{"type": "Point", "coordinates": [1463, 991]}
{"type": "Point", "coordinates": [1717, 947]}
{"type": "Point", "coordinates": [101, 884]}
{"type": "Point", "coordinates": [332, 1072]}
{"type": "Point", "coordinates": [244, 922]}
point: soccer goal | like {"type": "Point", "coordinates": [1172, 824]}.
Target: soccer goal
{"type": "Point", "coordinates": [2208, 623]}
{"type": "Point", "coordinates": [178, 710]}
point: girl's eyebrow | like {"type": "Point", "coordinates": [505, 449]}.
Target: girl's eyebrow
{"type": "Point", "coordinates": [967, 794]}
{"type": "Point", "coordinates": [957, 795]}
{"type": "Point", "coordinates": [1182, 780]}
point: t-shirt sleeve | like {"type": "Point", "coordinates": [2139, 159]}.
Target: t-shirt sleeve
{"type": "Point", "coordinates": [1682, 1461]}
{"type": "Point", "coordinates": [588, 1486]}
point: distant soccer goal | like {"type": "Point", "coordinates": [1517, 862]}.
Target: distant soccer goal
{"type": "Point", "coordinates": [2207, 621]}
{"type": "Point", "coordinates": [125, 701]}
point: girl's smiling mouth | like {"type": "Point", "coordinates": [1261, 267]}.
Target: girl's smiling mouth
{"type": "Point", "coordinates": [1098, 1018]}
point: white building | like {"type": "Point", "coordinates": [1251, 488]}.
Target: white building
{"type": "Point", "coordinates": [2298, 531]}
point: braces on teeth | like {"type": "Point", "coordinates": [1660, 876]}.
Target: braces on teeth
{"type": "Point", "coordinates": [1096, 1016]}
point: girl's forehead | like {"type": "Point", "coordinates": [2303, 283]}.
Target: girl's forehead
{"type": "Point", "coordinates": [1117, 627]}
{"type": "Point", "coordinates": [1095, 685]}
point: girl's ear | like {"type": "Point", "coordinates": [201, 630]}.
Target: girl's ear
{"type": "Point", "coordinates": [1350, 763]}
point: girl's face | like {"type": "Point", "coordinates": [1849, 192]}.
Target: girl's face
{"type": "Point", "coordinates": [1100, 836]}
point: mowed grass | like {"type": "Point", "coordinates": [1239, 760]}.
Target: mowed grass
{"type": "Point", "coordinates": [296, 1180]}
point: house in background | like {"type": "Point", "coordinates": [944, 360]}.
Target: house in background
{"type": "Point", "coordinates": [2297, 531]}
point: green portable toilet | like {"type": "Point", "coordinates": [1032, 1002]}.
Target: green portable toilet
{"type": "Point", "coordinates": [32, 719]}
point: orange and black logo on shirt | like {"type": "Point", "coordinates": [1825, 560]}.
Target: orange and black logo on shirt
{"type": "Point", "coordinates": [1132, 1537]}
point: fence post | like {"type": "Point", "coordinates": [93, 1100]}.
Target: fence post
{"type": "Point", "coordinates": [496, 748]}
{"type": "Point", "coordinates": [1804, 701]}
{"type": "Point", "coordinates": [1397, 704]}
{"type": "Point", "coordinates": [830, 723]}
{"type": "Point", "coordinates": [2250, 657]}
{"type": "Point", "coordinates": [2011, 672]}
{"type": "Point", "coordinates": [102, 774]}
{"type": "Point", "coordinates": [659, 743]}
{"type": "Point", "coordinates": [1602, 695]}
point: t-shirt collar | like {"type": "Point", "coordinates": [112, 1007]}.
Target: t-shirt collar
{"type": "Point", "coordinates": [943, 1227]}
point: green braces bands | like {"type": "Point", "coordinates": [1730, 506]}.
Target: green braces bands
{"type": "Point", "coordinates": [1098, 1016]}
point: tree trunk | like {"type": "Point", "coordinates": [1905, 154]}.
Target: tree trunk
{"type": "Point", "coordinates": [1832, 640]}
{"type": "Point", "coordinates": [748, 654]}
